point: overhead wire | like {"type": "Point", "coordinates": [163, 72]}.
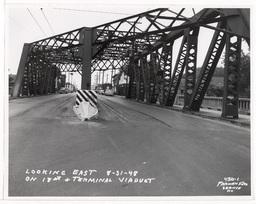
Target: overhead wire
{"type": "Point", "coordinates": [19, 25]}
{"type": "Point", "coordinates": [47, 20]}
{"type": "Point", "coordinates": [36, 21]}
{"type": "Point", "coordinates": [91, 11]}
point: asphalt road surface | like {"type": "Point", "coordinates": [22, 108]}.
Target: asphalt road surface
{"type": "Point", "coordinates": [132, 149]}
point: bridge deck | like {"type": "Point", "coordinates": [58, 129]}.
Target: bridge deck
{"type": "Point", "coordinates": [170, 153]}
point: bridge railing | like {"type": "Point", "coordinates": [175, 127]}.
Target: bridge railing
{"type": "Point", "coordinates": [215, 103]}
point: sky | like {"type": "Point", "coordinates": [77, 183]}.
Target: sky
{"type": "Point", "coordinates": [18, 27]}
{"type": "Point", "coordinates": [29, 23]}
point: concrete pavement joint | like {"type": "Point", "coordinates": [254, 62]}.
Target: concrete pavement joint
{"type": "Point", "coordinates": [150, 116]}
{"type": "Point", "coordinates": [116, 112]}
{"type": "Point", "coordinates": [65, 101]}
{"type": "Point", "coordinates": [32, 96]}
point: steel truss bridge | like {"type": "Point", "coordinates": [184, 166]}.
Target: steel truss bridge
{"type": "Point", "coordinates": [144, 43]}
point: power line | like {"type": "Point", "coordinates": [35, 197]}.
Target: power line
{"type": "Point", "coordinates": [36, 21]}
{"type": "Point", "coordinates": [19, 25]}
{"type": "Point", "coordinates": [127, 14]}
{"type": "Point", "coordinates": [47, 20]}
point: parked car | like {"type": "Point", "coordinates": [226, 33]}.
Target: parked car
{"type": "Point", "coordinates": [63, 90]}
{"type": "Point", "coordinates": [109, 92]}
{"type": "Point", "coordinates": [99, 90]}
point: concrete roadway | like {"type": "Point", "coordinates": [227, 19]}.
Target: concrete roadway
{"type": "Point", "coordinates": [132, 149]}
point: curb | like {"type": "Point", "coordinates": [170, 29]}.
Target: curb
{"type": "Point", "coordinates": [232, 121]}
{"type": "Point", "coordinates": [199, 114]}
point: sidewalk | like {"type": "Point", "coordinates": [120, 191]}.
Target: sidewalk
{"type": "Point", "coordinates": [242, 120]}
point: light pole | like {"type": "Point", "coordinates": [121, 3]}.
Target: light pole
{"type": "Point", "coordinates": [71, 79]}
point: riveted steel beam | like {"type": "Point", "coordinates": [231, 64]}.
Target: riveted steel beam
{"type": "Point", "coordinates": [21, 70]}
{"type": "Point", "coordinates": [177, 73]}
{"type": "Point", "coordinates": [190, 63]}
{"type": "Point", "coordinates": [166, 64]}
{"type": "Point", "coordinates": [119, 42]}
{"type": "Point", "coordinates": [208, 68]}
{"type": "Point", "coordinates": [87, 58]}
{"type": "Point", "coordinates": [131, 92]}
{"type": "Point", "coordinates": [231, 76]}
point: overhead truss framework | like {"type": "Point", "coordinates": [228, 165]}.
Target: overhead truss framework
{"type": "Point", "coordinates": [143, 43]}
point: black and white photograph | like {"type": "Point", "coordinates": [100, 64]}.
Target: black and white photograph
{"type": "Point", "coordinates": [128, 101]}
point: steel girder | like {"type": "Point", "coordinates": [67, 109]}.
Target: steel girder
{"type": "Point", "coordinates": [129, 36]}
{"type": "Point", "coordinates": [146, 82]}
{"type": "Point", "coordinates": [131, 41]}
{"type": "Point", "coordinates": [166, 68]}
{"type": "Point", "coordinates": [43, 60]}
{"type": "Point", "coordinates": [231, 76]}
{"type": "Point", "coordinates": [208, 68]}
{"type": "Point", "coordinates": [177, 73]}
{"type": "Point", "coordinates": [17, 88]}
{"type": "Point", "coordinates": [60, 49]}
{"type": "Point", "coordinates": [190, 62]}
{"type": "Point", "coordinates": [131, 93]}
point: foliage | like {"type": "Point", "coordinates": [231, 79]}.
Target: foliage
{"type": "Point", "coordinates": [215, 90]}
{"type": "Point", "coordinates": [244, 86]}
{"type": "Point", "coordinates": [219, 72]}
{"type": "Point", "coordinates": [244, 81]}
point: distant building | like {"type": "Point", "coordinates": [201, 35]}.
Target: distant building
{"type": "Point", "coordinates": [121, 81]}
{"type": "Point", "coordinates": [11, 82]}
{"type": "Point", "coordinates": [62, 80]}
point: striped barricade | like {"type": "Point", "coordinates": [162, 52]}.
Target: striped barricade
{"type": "Point", "coordinates": [86, 95]}
{"type": "Point", "coordinates": [86, 105]}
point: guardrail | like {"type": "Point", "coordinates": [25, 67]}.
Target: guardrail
{"type": "Point", "coordinates": [215, 103]}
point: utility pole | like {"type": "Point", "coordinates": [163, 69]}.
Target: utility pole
{"type": "Point", "coordinates": [70, 85]}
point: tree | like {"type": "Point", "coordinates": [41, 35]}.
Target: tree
{"type": "Point", "coordinates": [215, 90]}
{"type": "Point", "coordinates": [244, 85]}
{"type": "Point", "coordinates": [244, 72]}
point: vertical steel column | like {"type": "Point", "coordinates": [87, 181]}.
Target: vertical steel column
{"type": "Point", "coordinates": [20, 74]}
{"type": "Point", "coordinates": [231, 76]}
{"type": "Point", "coordinates": [177, 73]}
{"type": "Point", "coordinates": [25, 90]}
{"type": "Point", "coordinates": [34, 77]}
{"type": "Point", "coordinates": [153, 70]}
{"type": "Point", "coordinates": [141, 85]}
{"type": "Point", "coordinates": [40, 77]}
{"type": "Point", "coordinates": [137, 81]}
{"type": "Point", "coordinates": [208, 68]}
{"type": "Point", "coordinates": [131, 86]}
{"type": "Point", "coordinates": [144, 70]}
{"type": "Point", "coordinates": [166, 63]}
{"type": "Point", "coordinates": [51, 80]}
{"type": "Point", "coordinates": [32, 67]}
{"type": "Point", "coordinates": [31, 78]}
{"type": "Point", "coordinates": [45, 78]}
{"type": "Point", "coordinates": [87, 58]}
{"type": "Point", "coordinates": [191, 57]}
